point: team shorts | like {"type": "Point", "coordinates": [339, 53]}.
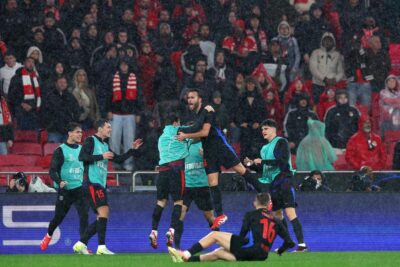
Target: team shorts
{"type": "Point", "coordinates": [98, 196]}
{"type": "Point", "coordinates": [220, 155]}
{"type": "Point", "coordinates": [253, 253]}
{"type": "Point", "coordinates": [201, 197]}
{"type": "Point", "coordinates": [283, 194]}
{"type": "Point", "coordinates": [171, 181]}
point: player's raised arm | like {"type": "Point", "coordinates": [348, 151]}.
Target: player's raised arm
{"type": "Point", "coordinates": [131, 152]}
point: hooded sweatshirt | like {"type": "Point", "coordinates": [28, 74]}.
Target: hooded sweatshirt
{"type": "Point", "coordinates": [290, 47]}
{"type": "Point", "coordinates": [389, 99]}
{"type": "Point", "coordinates": [314, 151]}
{"type": "Point", "coordinates": [365, 149]}
{"type": "Point", "coordinates": [326, 64]}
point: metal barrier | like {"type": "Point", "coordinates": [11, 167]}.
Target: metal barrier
{"type": "Point", "coordinates": [9, 174]}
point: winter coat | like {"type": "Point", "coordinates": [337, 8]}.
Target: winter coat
{"type": "Point", "coordinates": [254, 113]}
{"type": "Point", "coordinates": [360, 153]}
{"type": "Point", "coordinates": [324, 64]}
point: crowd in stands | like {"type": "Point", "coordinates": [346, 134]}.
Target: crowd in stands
{"type": "Point", "coordinates": [325, 70]}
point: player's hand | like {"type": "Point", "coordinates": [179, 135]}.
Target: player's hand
{"type": "Point", "coordinates": [63, 184]}
{"type": "Point", "coordinates": [137, 143]}
{"type": "Point", "coordinates": [181, 136]}
{"type": "Point", "coordinates": [209, 108]}
{"type": "Point", "coordinates": [248, 162]}
{"type": "Point", "coordinates": [108, 155]}
{"type": "Point", "coordinates": [201, 151]}
{"type": "Point", "coordinates": [257, 161]}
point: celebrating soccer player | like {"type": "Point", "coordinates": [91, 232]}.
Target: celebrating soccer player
{"type": "Point", "coordinates": [67, 173]}
{"type": "Point", "coordinates": [277, 173]}
{"type": "Point", "coordinates": [95, 155]}
{"type": "Point", "coordinates": [217, 151]}
{"type": "Point", "coordinates": [263, 226]}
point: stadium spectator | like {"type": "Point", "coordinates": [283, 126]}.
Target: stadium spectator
{"type": "Point", "coordinates": [20, 183]}
{"type": "Point", "coordinates": [86, 98]}
{"type": "Point", "coordinates": [37, 38]}
{"type": "Point", "coordinates": [148, 67]}
{"type": "Point", "coordinates": [207, 44]}
{"type": "Point", "coordinates": [290, 48]}
{"type": "Point", "coordinates": [125, 109]}
{"type": "Point", "coordinates": [54, 40]}
{"type": "Point", "coordinates": [296, 88]}
{"type": "Point", "coordinates": [249, 116]}
{"type": "Point", "coordinates": [278, 10]}
{"type": "Point", "coordinates": [396, 157]}
{"type": "Point", "coordinates": [314, 182]}
{"type": "Point", "coordinates": [90, 38]}
{"type": "Point", "coordinates": [254, 29]}
{"type": "Point", "coordinates": [59, 109]}
{"type": "Point", "coordinates": [326, 66]}
{"type": "Point", "coordinates": [314, 151]}
{"type": "Point", "coordinates": [99, 52]}
{"type": "Point", "coordinates": [164, 39]}
{"type": "Point", "coordinates": [165, 79]}
{"type": "Point", "coordinates": [389, 105]}
{"type": "Point", "coordinates": [341, 122]}
{"type": "Point", "coordinates": [76, 56]}
{"type": "Point", "coordinates": [58, 69]}
{"type": "Point", "coordinates": [224, 74]}
{"type": "Point", "coordinates": [24, 96]}
{"type": "Point", "coordinates": [191, 55]}
{"type": "Point", "coordinates": [71, 14]}
{"type": "Point", "coordinates": [326, 101]}
{"type": "Point", "coordinates": [274, 108]}
{"type": "Point", "coordinates": [363, 181]}
{"type": "Point", "coordinates": [221, 112]}
{"type": "Point", "coordinates": [365, 148]}
{"type": "Point", "coordinates": [310, 33]}
{"type": "Point", "coordinates": [40, 68]}
{"type": "Point", "coordinates": [123, 42]}
{"type": "Point", "coordinates": [8, 71]}
{"type": "Point", "coordinates": [295, 123]}
{"type": "Point", "coordinates": [275, 65]}
{"type": "Point", "coordinates": [6, 127]}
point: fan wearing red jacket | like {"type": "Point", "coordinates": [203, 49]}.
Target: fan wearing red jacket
{"type": "Point", "coordinates": [297, 88]}
{"type": "Point", "coordinates": [365, 148]}
{"type": "Point", "coordinates": [326, 100]}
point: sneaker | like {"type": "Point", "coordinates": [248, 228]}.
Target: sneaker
{"type": "Point", "coordinates": [103, 250]}
{"type": "Point", "coordinates": [45, 242]}
{"type": "Point", "coordinates": [153, 239]}
{"type": "Point", "coordinates": [170, 237]}
{"type": "Point", "coordinates": [80, 248]}
{"type": "Point", "coordinates": [219, 221]}
{"type": "Point", "coordinates": [176, 255]}
{"type": "Point", "coordinates": [301, 248]}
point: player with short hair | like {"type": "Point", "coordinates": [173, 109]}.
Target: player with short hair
{"type": "Point", "coordinates": [95, 155]}
{"type": "Point", "coordinates": [277, 177]}
{"type": "Point", "coordinates": [171, 178]}
{"type": "Point", "coordinates": [196, 188]}
{"type": "Point", "coordinates": [66, 170]}
{"type": "Point", "coordinates": [217, 151]}
{"type": "Point", "coordinates": [263, 227]}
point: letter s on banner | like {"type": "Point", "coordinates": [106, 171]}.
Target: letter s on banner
{"type": "Point", "coordinates": [9, 223]}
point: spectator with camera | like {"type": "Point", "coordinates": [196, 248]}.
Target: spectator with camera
{"type": "Point", "coordinates": [20, 183]}
{"type": "Point", "coordinates": [365, 148]}
{"type": "Point", "coordinates": [313, 182]}
{"type": "Point", "coordinates": [363, 181]}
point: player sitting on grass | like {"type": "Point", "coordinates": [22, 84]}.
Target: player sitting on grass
{"type": "Point", "coordinates": [263, 226]}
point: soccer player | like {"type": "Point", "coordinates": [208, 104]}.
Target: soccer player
{"type": "Point", "coordinates": [95, 155]}
{"type": "Point", "coordinates": [196, 189]}
{"type": "Point", "coordinates": [263, 226]}
{"type": "Point", "coordinates": [67, 173]}
{"type": "Point", "coordinates": [277, 174]}
{"type": "Point", "coordinates": [217, 151]}
{"type": "Point", "coordinates": [171, 178]}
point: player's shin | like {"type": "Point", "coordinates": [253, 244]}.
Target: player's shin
{"type": "Point", "coordinates": [101, 230]}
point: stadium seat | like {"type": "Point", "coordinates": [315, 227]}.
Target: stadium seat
{"type": "Point", "coordinates": [44, 135]}
{"type": "Point", "coordinates": [48, 149]}
{"type": "Point", "coordinates": [18, 160]}
{"type": "Point", "coordinates": [27, 149]}
{"type": "Point", "coordinates": [26, 136]}
{"type": "Point", "coordinates": [44, 162]}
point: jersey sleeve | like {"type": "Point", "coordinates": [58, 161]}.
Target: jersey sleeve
{"type": "Point", "coordinates": [245, 225]}
{"type": "Point", "coordinates": [197, 125]}
{"type": "Point", "coordinates": [55, 167]}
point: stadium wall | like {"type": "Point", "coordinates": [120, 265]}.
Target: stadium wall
{"type": "Point", "coordinates": [331, 222]}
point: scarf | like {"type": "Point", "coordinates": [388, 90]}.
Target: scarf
{"type": "Point", "coordinates": [30, 92]}
{"type": "Point", "coordinates": [131, 90]}
{"type": "Point", "coordinates": [220, 73]}
{"type": "Point", "coordinates": [5, 115]}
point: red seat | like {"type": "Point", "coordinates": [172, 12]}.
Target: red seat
{"type": "Point", "coordinates": [44, 135]}
{"type": "Point", "coordinates": [48, 149]}
{"type": "Point", "coordinates": [44, 162]}
{"type": "Point", "coordinates": [18, 160]}
{"type": "Point", "coordinates": [27, 149]}
{"type": "Point", "coordinates": [26, 136]}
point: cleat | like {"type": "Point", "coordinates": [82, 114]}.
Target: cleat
{"type": "Point", "coordinates": [153, 239]}
{"type": "Point", "coordinates": [170, 237]}
{"type": "Point", "coordinates": [45, 242]}
{"type": "Point", "coordinates": [219, 221]}
{"type": "Point", "coordinates": [176, 255]}
{"type": "Point", "coordinates": [301, 248]}
{"type": "Point", "coordinates": [103, 250]}
{"type": "Point", "coordinates": [80, 248]}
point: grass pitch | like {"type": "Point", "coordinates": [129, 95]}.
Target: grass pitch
{"type": "Point", "coordinates": [308, 259]}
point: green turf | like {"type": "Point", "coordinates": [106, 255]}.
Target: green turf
{"type": "Point", "coordinates": [326, 259]}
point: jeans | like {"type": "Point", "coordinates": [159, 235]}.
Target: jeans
{"type": "Point", "coordinates": [122, 136]}
{"type": "Point", "coordinates": [361, 92]}
{"type": "Point", "coordinates": [3, 148]}
{"type": "Point", "coordinates": [55, 137]}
